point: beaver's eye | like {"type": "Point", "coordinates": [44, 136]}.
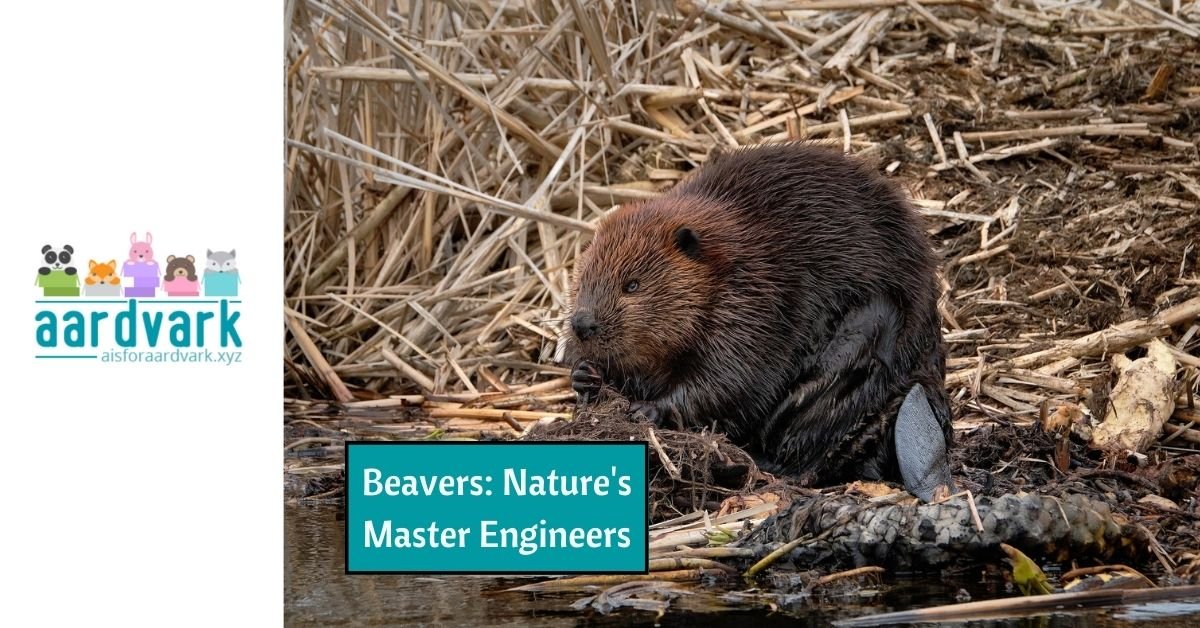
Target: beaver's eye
{"type": "Point", "coordinates": [631, 286]}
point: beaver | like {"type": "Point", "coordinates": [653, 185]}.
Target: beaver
{"type": "Point", "coordinates": [784, 294]}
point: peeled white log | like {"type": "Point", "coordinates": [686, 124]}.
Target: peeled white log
{"type": "Point", "coordinates": [1140, 403]}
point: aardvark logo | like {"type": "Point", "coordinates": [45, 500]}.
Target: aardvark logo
{"type": "Point", "coordinates": [138, 310]}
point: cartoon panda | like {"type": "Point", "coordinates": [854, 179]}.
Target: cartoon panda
{"type": "Point", "coordinates": [57, 259]}
{"type": "Point", "coordinates": [58, 277]}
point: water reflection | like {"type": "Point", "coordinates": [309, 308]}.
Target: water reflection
{"type": "Point", "coordinates": [318, 592]}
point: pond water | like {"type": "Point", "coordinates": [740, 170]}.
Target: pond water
{"type": "Point", "coordinates": [318, 592]}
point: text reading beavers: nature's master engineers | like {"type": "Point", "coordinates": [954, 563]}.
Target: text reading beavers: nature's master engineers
{"type": "Point", "coordinates": [496, 507]}
{"type": "Point", "coordinates": [517, 482]}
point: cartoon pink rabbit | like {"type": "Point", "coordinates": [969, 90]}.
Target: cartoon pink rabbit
{"type": "Point", "coordinates": [141, 251]}
{"type": "Point", "coordinates": [141, 268]}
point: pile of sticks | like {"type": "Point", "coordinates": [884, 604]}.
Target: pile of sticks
{"type": "Point", "coordinates": [447, 161]}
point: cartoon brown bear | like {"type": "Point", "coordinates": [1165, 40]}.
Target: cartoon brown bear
{"type": "Point", "coordinates": [180, 279]}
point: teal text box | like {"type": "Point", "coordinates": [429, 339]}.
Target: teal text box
{"type": "Point", "coordinates": [496, 507]}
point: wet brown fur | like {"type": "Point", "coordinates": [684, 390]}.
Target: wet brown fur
{"type": "Point", "coordinates": [795, 321]}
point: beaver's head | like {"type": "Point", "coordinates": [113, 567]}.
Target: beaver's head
{"type": "Point", "coordinates": [643, 286]}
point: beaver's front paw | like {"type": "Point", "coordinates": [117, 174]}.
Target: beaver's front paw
{"type": "Point", "coordinates": [586, 381]}
{"type": "Point", "coordinates": [652, 411]}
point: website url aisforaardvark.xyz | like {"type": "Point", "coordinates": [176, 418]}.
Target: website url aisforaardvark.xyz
{"type": "Point", "coordinates": [176, 356]}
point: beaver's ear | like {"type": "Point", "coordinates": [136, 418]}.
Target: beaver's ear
{"type": "Point", "coordinates": [191, 259]}
{"type": "Point", "coordinates": [716, 154]}
{"type": "Point", "coordinates": [688, 242]}
{"type": "Point", "coordinates": [170, 258]}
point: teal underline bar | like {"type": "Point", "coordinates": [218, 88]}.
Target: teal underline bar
{"type": "Point", "coordinates": [65, 357]}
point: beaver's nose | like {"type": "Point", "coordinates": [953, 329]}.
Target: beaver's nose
{"type": "Point", "coordinates": [584, 324]}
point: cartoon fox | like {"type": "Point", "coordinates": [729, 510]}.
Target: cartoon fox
{"type": "Point", "coordinates": [102, 279]}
